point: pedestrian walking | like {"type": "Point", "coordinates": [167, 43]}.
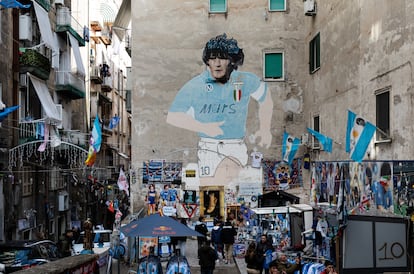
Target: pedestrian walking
{"type": "Point", "coordinates": [228, 233]}
{"type": "Point", "coordinates": [216, 239]}
{"type": "Point", "coordinates": [252, 259]}
{"type": "Point", "coordinates": [264, 247]}
{"type": "Point", "coordinates": [207, 258]}
{"type": "Point", "coordinates": [201, 227]}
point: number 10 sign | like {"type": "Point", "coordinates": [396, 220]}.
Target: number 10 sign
{"type": "Point", "coordinates": [375, 243]}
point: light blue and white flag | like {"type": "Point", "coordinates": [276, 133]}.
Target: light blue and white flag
{"type": "Point", "coordinates": [114, 122]}
{"type": "Point", "coordinates": [289, 147]}
{"type": "Point", "coordinates": [325, 141]}
{"type": "Point", "coordinates": [359, 133]}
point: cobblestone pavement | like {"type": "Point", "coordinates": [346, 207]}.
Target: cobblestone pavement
{"type": "Point", "coordinates": [237, 266]}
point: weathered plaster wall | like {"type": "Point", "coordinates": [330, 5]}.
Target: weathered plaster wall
{"type": "Point", "coordinates": [168, 41]}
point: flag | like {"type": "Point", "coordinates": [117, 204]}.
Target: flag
{"type": "Point", "coordinates": [325, 141]}
{"type": "Point", "coordinates": [359, 133]}
{"type": "Point", "coordinates": [94, 142]}
{"type": "Point", "coordinates": [289, 147]}
{"type": "Point", "coordinates": [122, 182]}
{"type": "Point", "coordinates": [7, 111]}
{"type": "Point", "coordinates": [96, 138]}
{"type": "Point", "coordinates": [91, 156]}
{"type": "Point", "coordinates": [114, 122]}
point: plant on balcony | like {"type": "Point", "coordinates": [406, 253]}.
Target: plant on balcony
{"type": "Point", "coordinates": [35, 63]}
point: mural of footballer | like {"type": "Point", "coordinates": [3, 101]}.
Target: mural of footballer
{"type": "Point", "coordinates": [215, 105]}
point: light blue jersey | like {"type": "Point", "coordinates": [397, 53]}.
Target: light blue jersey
{"type": "Point", "coordinates": [209, 101]}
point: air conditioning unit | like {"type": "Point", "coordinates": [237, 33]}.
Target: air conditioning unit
{"type": "Point", "coordinates": [63, 201]}
{"type": "Point", "coordinates": [59, 2]}
{"type": "Point", "coordinates": [25, 27]}
{"type": "Point", "coordinates": [309, 7]}
{"type": "Point", "coordinates": [23, 80]}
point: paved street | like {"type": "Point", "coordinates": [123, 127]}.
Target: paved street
{"type": "Point", "coordinates": [191, 253]}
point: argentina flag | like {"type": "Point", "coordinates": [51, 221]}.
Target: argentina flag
{"type": "Point", "coordinates": [359, 133]}
{"type": "Point", "coordinates": [325, 141]}
{"type": "Point", "coordinates": [289, 147]}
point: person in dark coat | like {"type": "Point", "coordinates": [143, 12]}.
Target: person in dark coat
{"type": "Point", "coordinates": [201, 227]}
{"type": "Point", "coordinates": [216, 238]}
{"type": "Point", "coordinates": [207, 258]}
{"type": "Point", "coordinates": [253, 261]}
{"type": "Point", "coordinates": [228, 233]}
{"type": "Point", "coordinates": [262, 247]}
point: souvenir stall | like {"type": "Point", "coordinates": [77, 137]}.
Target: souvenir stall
{"type": "Point", "coordinates": [284, 224]}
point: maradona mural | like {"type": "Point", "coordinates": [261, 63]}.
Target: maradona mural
{"type": "Point", "coordinates": [215, 104]}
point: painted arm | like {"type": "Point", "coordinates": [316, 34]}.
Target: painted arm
{"type": "Point", "coordinates": [265, 120]}
{"type": "Point", "coordinates": [186, 121]}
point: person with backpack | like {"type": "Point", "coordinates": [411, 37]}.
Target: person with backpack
{"type": "Point", "coordinates": [201, 227]}
{"type": "Point", "coordinates": [207, 258]}
{"type": "Point", "coordinates": [228, 233]}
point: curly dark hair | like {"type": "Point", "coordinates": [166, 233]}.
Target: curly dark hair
{"type": "Point", "coordinates": [223, 47]}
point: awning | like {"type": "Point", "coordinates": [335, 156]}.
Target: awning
{"type": "Point", "coordinates": [44, 26]}
{"type": "Point", "coordinates": [76, 52]}
{"type": "Point", "coordinates": [122, 19]}
{"type": "Point", "coordinates": [46, 100]}
{"type": "Point", "coordinates": [295, 208]}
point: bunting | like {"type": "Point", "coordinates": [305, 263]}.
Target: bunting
{"type": "Point", "coordinates": [358, 136]}
{"type": "Point", "coordinates": [289, 147]}
{"type": "Point", "coordinates": [325, 141]}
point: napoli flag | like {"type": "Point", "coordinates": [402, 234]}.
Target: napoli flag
{"type": "Point", "coordinates": [325, 141]}
{"type": "Point", "coordinates": [359, 133]}
{"type": "Point", "coordinates": [289, 147]}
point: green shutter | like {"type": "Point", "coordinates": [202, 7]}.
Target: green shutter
{"type": "Point", "coordinates": [277, 5]}
{"type": "Point", "coordinates": [274, 65]}
{"type": "Point", "coordinates": [314, 54]}
{"type": "Point", "coordinates": [318, 51]}
{"type": "Point", "coordinates": [218, 6]}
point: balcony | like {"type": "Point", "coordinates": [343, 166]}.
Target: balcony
{"type": "Point", "coordinates": [107, 84]}
{"type": "Point", "coordinates": [95, 75]}
{"type": "Point", "coordinates": [71, 84]}
{"type": "Point", "coordinates": [65, 22]}
{"type": "Point", "coordinates": [34, 62]}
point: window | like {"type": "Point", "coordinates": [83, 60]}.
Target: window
{"type": "Point", "coordinates": [26, 181]}
{"type": "Point", "coordinates": [277, 5]}
{"type": "Point", "coordinates": [383, 114]}
{"type": "Point", "coordinates": [314, 54]}
{"type": "Point", "coordinates": [316, 127]}
{"type": "Point", "coordinates": [218, 6]}
{"type": "Point", "coordinates": [273, 66]}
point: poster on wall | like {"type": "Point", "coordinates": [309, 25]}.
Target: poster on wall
{"type": "Point", "coordinates": [161, 171]}
{"type": "Point", "coordinates": [211, 203]}
{"type": "Point", "coordinates": [280, 175]}
{"type": "Point", "coordinates": [359, 187]}
{"type": "Point", "coordinates": [144, 246]}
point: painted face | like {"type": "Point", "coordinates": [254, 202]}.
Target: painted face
{"type": "Point", "coordinates": [218, 67]}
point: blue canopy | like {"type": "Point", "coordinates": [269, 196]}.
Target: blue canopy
{"type": "Point", "coordinates": [13, 4]}
{"type": "Point", "coordinates": [156, 225]}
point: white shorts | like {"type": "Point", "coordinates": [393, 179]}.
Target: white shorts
{"type": "Point", "coordinates": [211, 152]}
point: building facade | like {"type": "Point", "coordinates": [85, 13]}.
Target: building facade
{"type": "Point", "coordinates": [318, 59]}
{"type": "Point", "coordinates": [49, 74]}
